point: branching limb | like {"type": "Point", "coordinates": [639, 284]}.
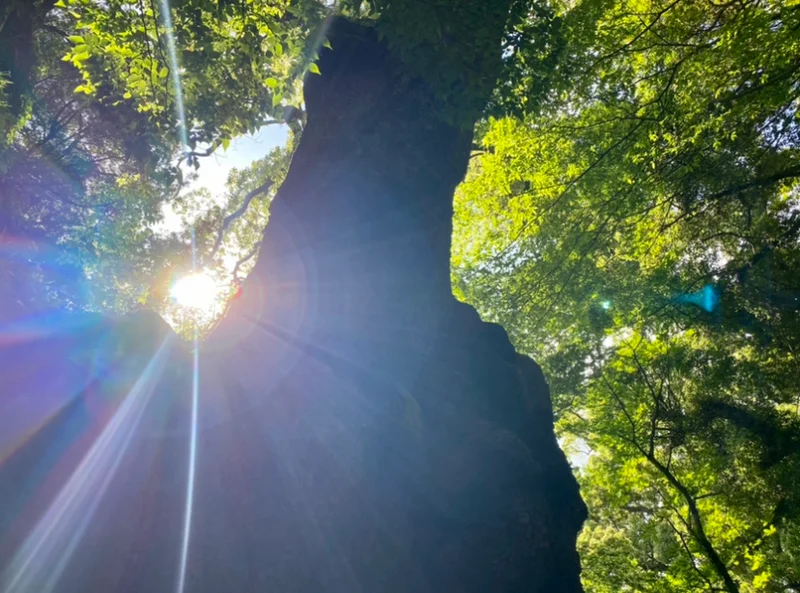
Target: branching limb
{"type": "Point", "coordinates": [236, 214]}
{"type": "Point", "coordinates": [692, 560]}
{"type": "Point", "coordinates": [246, 258]}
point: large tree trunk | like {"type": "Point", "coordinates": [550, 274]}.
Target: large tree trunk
{"type": "Point", "coordinates": [358, 428]}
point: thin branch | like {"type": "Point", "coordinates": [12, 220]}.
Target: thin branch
{"type": "Point", "coordinates": [697, 529]}
{"type": "Point", "coordinates": [690, 555]}
{"type": "Point", "coordinates": [639, 35]}
{"type": "Point", "coordinates": [250, 255]}
{"type": "Point", "coordinates": [211, 149]}
{"type": "Point", "coordinates": [758, 182]}
{"type": "Point", "coordinates": [56, 30]}
{"type": "Point", "coordinates": [623, 408]}
{"type": "Point", "coordinates": [226, 222]}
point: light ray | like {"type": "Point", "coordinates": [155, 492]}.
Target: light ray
{"type": "Point", "coordinates": [187, 518]}
{"type": "Point", "coordinates": [175, 74]}
{"type": "Point", "coordinates": [172, 56]}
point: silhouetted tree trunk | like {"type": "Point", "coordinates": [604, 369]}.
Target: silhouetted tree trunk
{"type": "Point", "coordinates": [358, 430]}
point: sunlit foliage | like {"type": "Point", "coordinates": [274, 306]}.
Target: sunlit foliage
{"type": "Point", "coordinates": [237, 60]}
{"type": "Point", "coordinates": [93, 150]}
{"type": "Point", "coordinates": [638, 234]}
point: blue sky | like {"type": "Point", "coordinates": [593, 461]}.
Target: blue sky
{"type": "Point", "coordinates": [242, 151]}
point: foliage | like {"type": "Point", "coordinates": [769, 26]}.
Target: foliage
{"type": "Point", "coordinates": [95, 127]}
{"type": "Point", "coordinates": [635, 226]}
{"type": "Point", "coordinates": [472, 51]}
{"type": "Point", "coordinates": [237, 60]}
{"type": "Point", "coordinates": [638, 234]}
{"type": "Point", "coordinates": [694, 495]}
{"type": "Point", "coordinates": [92, 140]}
{"type": "Point", "coordinates": [79, 180]}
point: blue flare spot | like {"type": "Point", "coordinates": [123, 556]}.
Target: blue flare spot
{"type": "Point", "coordinates": [707, 298]}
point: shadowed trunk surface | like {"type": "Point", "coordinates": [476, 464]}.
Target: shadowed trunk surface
{"type": "Point", "coordinates": [358, 428]}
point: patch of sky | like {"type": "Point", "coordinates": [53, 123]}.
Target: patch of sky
{"type": "Point", "coordinates": [214, 170]}
{"type": "Point", "coordinates": [577, 451]}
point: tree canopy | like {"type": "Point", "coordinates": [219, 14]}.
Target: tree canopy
{"type": "Point", "coordinates": [101, 133]}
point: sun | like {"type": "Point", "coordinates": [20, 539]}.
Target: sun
{"type": "Point", "coordinates": [197, 291]}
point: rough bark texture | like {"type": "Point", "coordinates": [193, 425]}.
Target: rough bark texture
{"type": "Point", "coordinates": [359, 429]}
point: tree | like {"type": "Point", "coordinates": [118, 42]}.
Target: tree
{"type": "Point", "coordinates": [227, 235]}
{"type": "Point", "coordinates": [657, 468]}
{"type": "Point", "coordinates": [348, 425]}
{"type": "Point", "coordinates": [241, 65]}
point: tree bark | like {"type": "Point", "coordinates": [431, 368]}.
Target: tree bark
{"type": "Point", "coordinates": [358, 428]}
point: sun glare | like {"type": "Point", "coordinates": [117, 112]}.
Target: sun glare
{"type": "Point", "coordinates": [198, 291]}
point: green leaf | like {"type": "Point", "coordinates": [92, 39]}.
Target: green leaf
{"type": "Point", "coordinates": [271, 82]}
{"type": "Point", "coordinates": [313, 68]}
{"type": "Point", "coordinates": [163, 72]}
{"type": "Point", "coordinates": [276, 100]}
{"type": "Point", "coordinates": [76, 39]}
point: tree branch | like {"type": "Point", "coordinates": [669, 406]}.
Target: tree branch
{"type": "Point", "coordinates": [250, 255]}
{"type": "Point", "coordinates": [758, 182]}
{"type": "Point", "coordinates": [690, 555]}
{"type": "Point", "coordinates": [697, 530]}
{"type": "Point", "coordinates": [226, 222]}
